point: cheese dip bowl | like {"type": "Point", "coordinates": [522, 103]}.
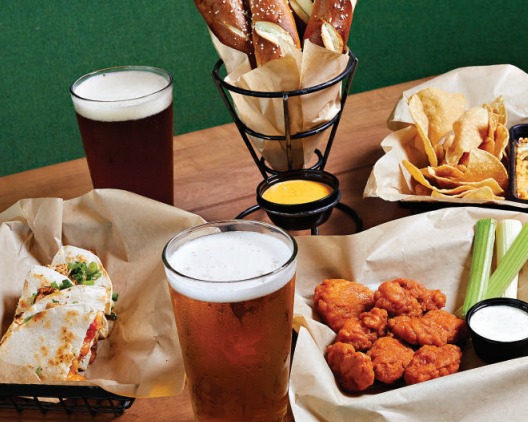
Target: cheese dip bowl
{"type": "Point", "coordinates": [299, 199]}
{"type": "Point", "coordinates": [499, 328]}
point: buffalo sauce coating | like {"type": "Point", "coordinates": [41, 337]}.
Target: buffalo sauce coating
{"type": "Point", "coordinates": [292, 192]}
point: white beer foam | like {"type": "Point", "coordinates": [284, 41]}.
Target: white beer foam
{"type": "Point", "coordinates": [238, 257]}
{"type": "Point", "coordinates": [122, 95]}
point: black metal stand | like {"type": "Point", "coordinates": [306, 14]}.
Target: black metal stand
{"type": "Point", "coordinates": [315, 230]}
{"type": "Point", "coordinates": [322, 157]}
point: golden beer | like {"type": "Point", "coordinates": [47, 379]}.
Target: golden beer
{"type": "Point", "coordinates": [234, 332]}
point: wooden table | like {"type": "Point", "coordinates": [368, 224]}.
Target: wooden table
{"type": "Point", "coordinates": [215, 177]}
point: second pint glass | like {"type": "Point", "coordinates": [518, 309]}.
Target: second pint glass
{"type": "Point", "coordinates": [232, 285]}
{"type": "Point", "coordinates": [125, 119]}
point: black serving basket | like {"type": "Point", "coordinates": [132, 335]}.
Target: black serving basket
{"type": "Point", "coordinates": [62, 398]}
{"type": "Point", "coordinates": [516, 132]}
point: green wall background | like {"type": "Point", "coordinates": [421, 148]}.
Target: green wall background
{"type": "Point", "coordinates": [46, 45]}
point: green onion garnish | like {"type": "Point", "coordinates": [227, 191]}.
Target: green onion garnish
{"type": "Point", "coordinates": [82, 273]}
{"type": "Point", "coordinates": [509, 266]}
{"type": "Point", "coordinates": [28, 318]}
{"type": "Point", "coordinates": [483, 244]}
{"type": "Point", "coordinates": [66, 284]}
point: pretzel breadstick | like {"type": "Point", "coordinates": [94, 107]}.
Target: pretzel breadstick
{"type": "Point", "coordinates": [329, 24]}
{"type": "Point", "coordinates": [229, 20]}
{"type": "Point", "coordinates": [273, 24]}
{"type": "Point", "coordinates": [302, 10]}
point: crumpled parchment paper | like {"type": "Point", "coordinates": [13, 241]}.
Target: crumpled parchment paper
{"type": "Point", "coordinates": [297, 70]}
{"type": "Point", "coordinates": [435, 249]}
{"type": "Point", "coordinates": [480, 84]}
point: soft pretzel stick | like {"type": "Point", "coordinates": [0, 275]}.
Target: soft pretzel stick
{"type": "Point", "coordinates": [273, 27]}
{"type": "Point", "coordinates": [229, 20]}
{"type": "Point", "coordinates": [330, 23]}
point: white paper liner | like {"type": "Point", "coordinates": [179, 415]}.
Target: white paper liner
{"type": "Point", "coordinates": [141, 357]}
{"type": "Point", "coordinates": [480, 84]}
{"type": "Point", "coordinates": [435, 249]}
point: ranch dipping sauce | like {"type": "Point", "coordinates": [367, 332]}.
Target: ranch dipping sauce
{"type": "Point", "coordinates": [500, 323]}
{"type": "Point", "coordinates": [294, 192]}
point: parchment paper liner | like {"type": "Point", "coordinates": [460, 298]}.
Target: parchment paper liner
{"type": "Point", "coordinates": [312, 66]}
{"type": "Point", "coordinates": [480, 84]}
{"type": "Point", "coordinates": [435, 249]}
{"type": "Point", "coordinates": [141, 358]}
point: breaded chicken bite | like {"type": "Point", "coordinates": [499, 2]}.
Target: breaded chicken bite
{"type": "Point", "coordinates": [434, 328]}
{"type": "Point", "coordinates": [363, 331]}
{"type": "Point", "coordinates": [336, 300]}
{"type": "Point", "coordinates": [353, 370]}
{"type": "Point", "coordinates": [390, 357]}
{"type": "Point", "coordinates": [431, 362]}
{"type": "Point", "coordinates": [402, 296]}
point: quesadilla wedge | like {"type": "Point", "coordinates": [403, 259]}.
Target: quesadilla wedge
{"type": "Point", "coordinates": [53, 343]}
{"type": "Point", "coordinates": [83, 267]}
{"type": "Point", "coordinates": [37, 279]}
{"type": "Point", "coordinates": [92, 297]}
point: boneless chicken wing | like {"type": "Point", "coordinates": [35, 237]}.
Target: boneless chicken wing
{"type": "Point", "coordinates": [431, 362]}
{"type": "Point", "coordinates": [403, 296]}
{"type": "Point", "coordinates": [390, 357]}
{"type": "Point", "coordinates": [337, 300]}
{"type": "Point", "coordinates": [434, 328]}
{"type": "Point", "coordinates": [353, 370]}
{"type": "Point", "coordinates": [363, 331]}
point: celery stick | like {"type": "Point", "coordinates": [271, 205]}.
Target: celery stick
{"type": "Point", "coordinates": [510, 265]}
{"type": "Point", "coordinates": [483, 245]}
{"type": "Point", "coordinates": [506, 232]}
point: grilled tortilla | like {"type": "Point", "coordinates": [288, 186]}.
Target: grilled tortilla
{"type": "Point", "coordinates": [93, 297]}
{"type": "Point", "coordinates": [54, 342]}
{"type": "Point", "coordinates": [73, 255]}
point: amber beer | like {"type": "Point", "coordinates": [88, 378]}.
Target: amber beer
{"type": "Point", "coordinates": [126, 125]}
{"type": "Point", "coordinates": [232, 286]}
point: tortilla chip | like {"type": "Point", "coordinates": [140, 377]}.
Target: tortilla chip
{"type": "Point", "coordinates": [482, 165]}
{"type": "Point", "coordinates": [442, 110]}
{"type": "Point", "coordinates": [483, 193]}
{"type": "Point", "coordinates": [422, 126]}
{"type": "Point", "coordinates": [498, 107]}
{"type": "Point", "coordinates": [502, 138]}
{"type": "Point", "coordinates": [469, 132]}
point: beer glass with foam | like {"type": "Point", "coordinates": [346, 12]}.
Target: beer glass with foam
{"type": "Point", "coordinates": [125, 120]}
{"type": "Point", "coordinates": [232, 285]}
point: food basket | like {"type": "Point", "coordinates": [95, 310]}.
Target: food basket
{"type": "Point", "coordinates": [64, 398]}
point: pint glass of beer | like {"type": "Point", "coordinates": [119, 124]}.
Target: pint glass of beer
{"type": "Point", "coordinates": [232, 285]}
{"type": "Point", "coordinates": [125, 119]}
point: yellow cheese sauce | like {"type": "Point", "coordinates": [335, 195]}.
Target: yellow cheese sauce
{"type": "Point", "coordinates": [294, 192]}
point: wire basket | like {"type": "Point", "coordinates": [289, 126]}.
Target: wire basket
{"type": "Point", "coordinates": [62, 398]}
{"type": "Point", "coordinates": [227, 90]}
{"type": "Point", "coordinates": [346, 76]}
